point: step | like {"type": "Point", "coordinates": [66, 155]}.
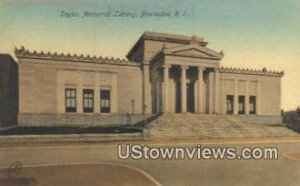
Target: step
{"type": "Point", "coordinates": [209, 126]}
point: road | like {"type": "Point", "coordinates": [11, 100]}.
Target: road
{"type": "Point", "coordinates": [283, 171]}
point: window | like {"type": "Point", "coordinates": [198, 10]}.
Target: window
{"type": "Point", "coordinates": [229, 104]}
{"type": "Point", "coordinates": [88, 100]}
{"type": "Point", "coordinates": [252, 102]}
{"type": "Point", "coordinates": [70, 100]}
{"type": "Point", "coordinates": [105, 101]}
{"type": "Point", "coordinates": [241, 105]}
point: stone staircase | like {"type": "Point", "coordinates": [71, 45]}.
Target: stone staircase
{"type": "Point", "coordinates": [204, 126]}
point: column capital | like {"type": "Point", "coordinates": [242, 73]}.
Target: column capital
{"type": "Point", "coordinates": [201, 68]}
{"type": "Point", "coordinates": [185, 67]}
{"type": "Point", "coordinates": [166, 66]}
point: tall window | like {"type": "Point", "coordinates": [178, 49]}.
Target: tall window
{"type": "Point", "coordinates": [241, 104]}
{"type": "Point", "coordinates": [105, 101]}
{"type": "Point", "coordinates": [88, 100]}
{"type": "Point", "coordinates": [252, 102]}
{"type": "Point", "coordinates": [229, 104]}
{"type": "Point", "coordinates": [70, 100]}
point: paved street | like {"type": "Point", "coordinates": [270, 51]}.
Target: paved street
{"type": "Point", "coordinates": [284, 171]}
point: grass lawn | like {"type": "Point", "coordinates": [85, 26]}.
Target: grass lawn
{"type": "Point", "coordinates": [34, 130]}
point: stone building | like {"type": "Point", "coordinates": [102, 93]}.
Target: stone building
{"type": "Point", "coordinates": [163, 73]}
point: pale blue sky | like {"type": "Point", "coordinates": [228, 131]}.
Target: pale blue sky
{"type": "Point", "coordinates": [252, 33]}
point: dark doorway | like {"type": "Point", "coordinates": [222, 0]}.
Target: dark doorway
{"type": "Point", "coordinates": [190, 97]}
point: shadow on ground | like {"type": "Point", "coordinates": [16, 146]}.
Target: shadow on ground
{"type": "Point", "coordinates": [77, 175]}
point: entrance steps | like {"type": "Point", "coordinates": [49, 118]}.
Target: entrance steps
{"type": "Point", "coordinates": [205, 126]}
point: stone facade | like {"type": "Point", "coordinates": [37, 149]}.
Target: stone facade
{"type": "Point", "coordinates": [207, 88]}
{"type": "Point", "coordinates": [164, 73]}
{"type": "Point", "coordinates": [43, 79]}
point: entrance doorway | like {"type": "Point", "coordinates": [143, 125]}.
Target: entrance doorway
{"type": "Point", "coordinates": [190, 97]}
{"type": "Point", "coordinates": [178, 97]}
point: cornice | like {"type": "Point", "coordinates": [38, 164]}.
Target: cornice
{"type": "Point", "coordinates": [24, 53]}
{"type": "Point", "coordinates": [263, 71]}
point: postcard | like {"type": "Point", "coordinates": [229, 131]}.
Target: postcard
{"type": "Point", "coordinates": [136, 92]}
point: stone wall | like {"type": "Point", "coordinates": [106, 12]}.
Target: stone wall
{"type": "Point", "coordinates": [266, 88]}
{"type": "Point", "coordinates": [43, 82]}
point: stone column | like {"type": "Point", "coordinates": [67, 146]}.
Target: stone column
{"type": "Point", "coordinates": [183, 88]}
{"type": "Point", "coordinates": [157, 97]}
{"type": "Point", "coordinates": [147, 104]}
{"type": "Point", "coordinates": [166, 88]}
{"type": "Point", "coordinates": [236, 97]}
{"type": "Point", "coordinates": [200, 90]}
{"type": "Point", "coordinates": [216, 91]}
{"type": "Point", "coordinates": [210, 92]}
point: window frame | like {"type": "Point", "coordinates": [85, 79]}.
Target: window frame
{"type": "Point", "coordinates": [104, 109]}
{"type": "Point", "coordinates": [230, 98]}
{"type": "Point", "coordinates": [254, 105]}
{"type": "Point", "coordinates": [69, 109]}
{"type": "Point", "coordinates": [88, 108]}
{"type": "Point", "coordinates": [243, 103]}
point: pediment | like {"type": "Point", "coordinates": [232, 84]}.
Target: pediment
{"type": "Point", "coordinates": [194, 51]}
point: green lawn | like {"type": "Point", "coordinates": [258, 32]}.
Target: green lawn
{"type": "Point", "coordinates": [32, 130]}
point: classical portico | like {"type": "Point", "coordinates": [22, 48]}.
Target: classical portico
{"type": "Point", "coordinates": [189, 89]}
{"type": "Point", "coordinates": [184, 89]}
{"type": "Point", "coordinates": [186, 79]}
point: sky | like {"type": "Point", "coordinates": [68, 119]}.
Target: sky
{"type": "Point", "coordinates": [251, 33]}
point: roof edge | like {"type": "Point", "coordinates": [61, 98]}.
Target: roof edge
{"type": "Point", "coordinates": [263, 71]}
{"type": "Point", "coordinates": [24, 53]}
